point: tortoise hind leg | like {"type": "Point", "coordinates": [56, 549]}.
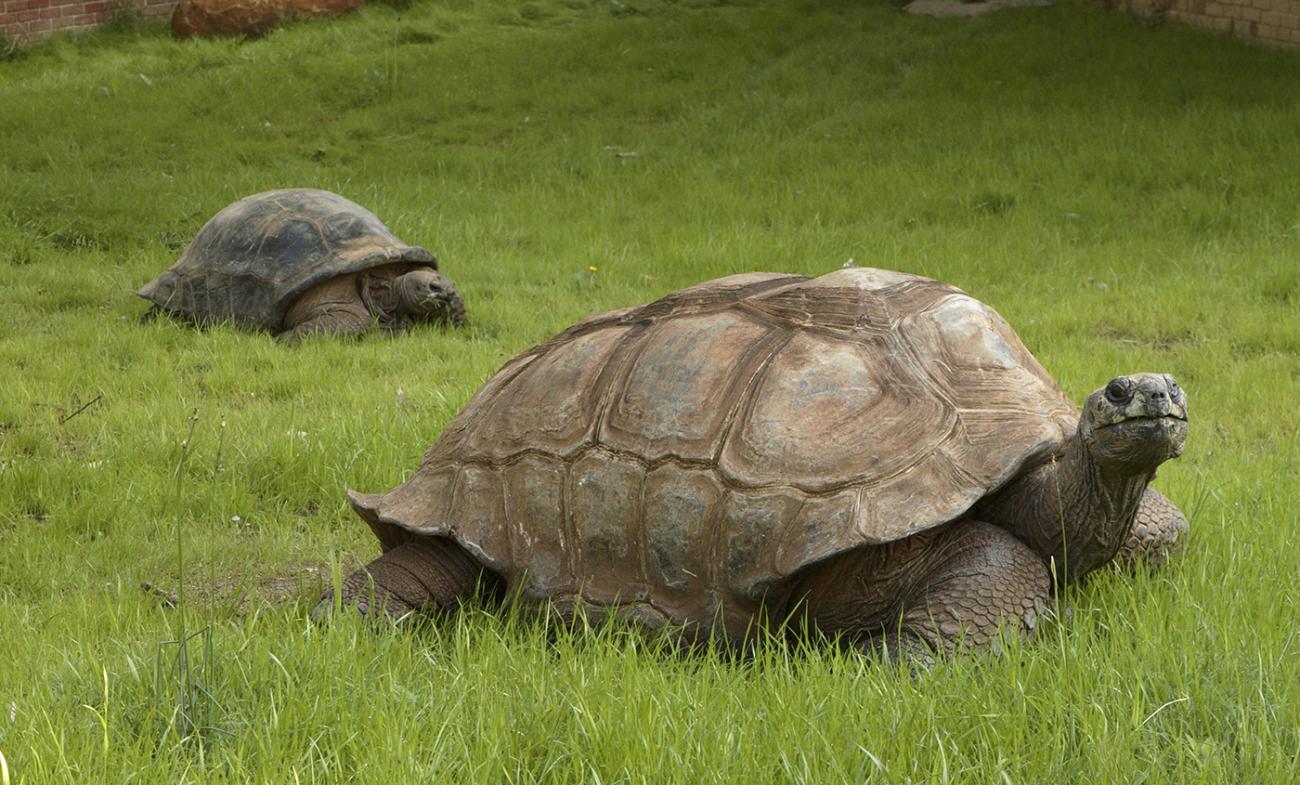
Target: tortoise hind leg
{"type": "Point", "coordinates": [957, 586]}
{"type": "Point", "coordinates": [421, 575]}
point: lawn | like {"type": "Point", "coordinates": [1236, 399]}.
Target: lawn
{"type": "Point", "coordinates": [1127, 196]}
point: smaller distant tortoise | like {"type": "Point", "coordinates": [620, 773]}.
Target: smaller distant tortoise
{"type": "Point", "coordinates": [299, 262]}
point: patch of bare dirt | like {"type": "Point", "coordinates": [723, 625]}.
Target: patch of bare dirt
{"type": "Point", "coordinates": [263, 585]}
{"type": "Point", "coordinates": [956, 8]}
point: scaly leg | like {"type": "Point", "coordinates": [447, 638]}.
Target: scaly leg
{"type": "Point", "coordinates": [1159, 531]}
{"type": "Point", "coordinates": [422, 574]}
{"type": "Point", "coordinates": [327, 319]}
{"type": "Point", "coordinates": [957, 585]}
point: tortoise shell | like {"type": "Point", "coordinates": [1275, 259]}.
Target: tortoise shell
{"type": "Point", "coordinates": [252, 260]}
{"type": "Point", "coordinates": [681, 460]}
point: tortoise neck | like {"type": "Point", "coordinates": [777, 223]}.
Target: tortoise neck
{"type": "Point", "coordinates": [382, 296]}
{"type": "Point", "coordinates": [1070, 510]}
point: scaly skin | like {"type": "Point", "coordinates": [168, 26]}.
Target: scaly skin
{"type": "Point", "coordinates": [1159, 531]}
{"type": "Point", "coordinates": [928, 593]}
{"type": "Point", "coordinates": [421, 575]}
{"type": "Point", "coordinates": [331, 308]}
{"type": "Point", "coordinates": [1070, 511]}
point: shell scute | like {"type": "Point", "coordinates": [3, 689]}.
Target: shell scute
{"type": "Point", "coordinates": [477, 516]}
{"type": "Point", "coordinates": [680, 507]}
{"type": "Point", "coordinates": [975, 357]}
{"type": "Point", "coordinates": [424, 499]}
{"type": "Point", "coordinates": [605, 494]}
{"type": "Point", "coordinates": [535, 514]}
{"type": "Point", "coordinates": [549, 405]}
{"type": "Point", "coordinates": [749, 541]}
{"type": "Point", "coordinates": [828, 412]}
{"type": "Point", "coordinates": [669, 402]}
{"type": "Point", "coordinates": [824, 526]}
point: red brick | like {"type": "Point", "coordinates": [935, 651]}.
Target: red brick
{"type": "Point", "coordinates": [38, 3]}
{"type": "Point", "coordinates": [27, 16]}
{"type": "Point", "coordinates": [51, 13]}
{"type": "Point", "coordinates": [38, 25]}
{"type": "Point", "coordinates": [94, 8]}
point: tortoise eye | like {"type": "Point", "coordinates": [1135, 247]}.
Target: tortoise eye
{"type": "Point", "coordinates": [1118, 391]}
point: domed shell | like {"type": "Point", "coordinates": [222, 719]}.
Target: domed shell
{"type": "Point", "coordinates": [252, 260]}
{"type": "Point", "coordinates": [682, 458]}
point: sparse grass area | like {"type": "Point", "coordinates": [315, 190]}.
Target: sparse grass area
{"type": "Point", "coordinates": [1128, 198]}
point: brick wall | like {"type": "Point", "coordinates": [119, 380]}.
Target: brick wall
{"type": "Point", "coordinates": [1274, 22]}
{"type": "Point", "coordinates": [28, 20]}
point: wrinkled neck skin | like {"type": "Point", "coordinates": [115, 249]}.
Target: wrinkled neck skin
{"type": "Point", "coordinates": [382, 299]}
{"type": "Point", "coordinates": [1072, 510]}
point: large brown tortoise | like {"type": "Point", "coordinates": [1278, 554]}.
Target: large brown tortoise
{"type": "Point", "coordinates": [300, 261]}
{"type": "Point", "coordinates": [871, 454]}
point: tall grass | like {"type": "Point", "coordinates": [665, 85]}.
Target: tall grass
{"type": "Point", "coordinates": [1127, 197]}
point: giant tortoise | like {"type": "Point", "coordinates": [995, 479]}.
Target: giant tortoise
{"type": "Point", "coordinates": [871, 454]}
{"type": "Point", "coordinates": [300, 261]}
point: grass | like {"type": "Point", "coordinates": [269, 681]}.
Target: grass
{"type": "Point", "coordinates": [1127, 197]}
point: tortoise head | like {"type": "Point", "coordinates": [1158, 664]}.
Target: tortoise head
{"type": "Point", "coordinates": [427, 295]}
{"type": "Point", "coordinates": [1135, 422]}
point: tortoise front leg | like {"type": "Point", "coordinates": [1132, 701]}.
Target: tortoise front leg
{"type": "Point", "coordinates": [957, 586]}
{"type": "Point", "coordinates": [1159, 530]}
{"type": "Point", "coordinates": [332, 319]}
{"type": "Point", "coordinates": [422, 574]}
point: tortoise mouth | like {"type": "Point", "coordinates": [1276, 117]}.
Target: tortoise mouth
{"type": "Point", "coordinates": [1141, 442]}
{"type": "Point", "coordinates": [1163, 419]}
{"type": "Point", "coordinates": [436, 305]}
